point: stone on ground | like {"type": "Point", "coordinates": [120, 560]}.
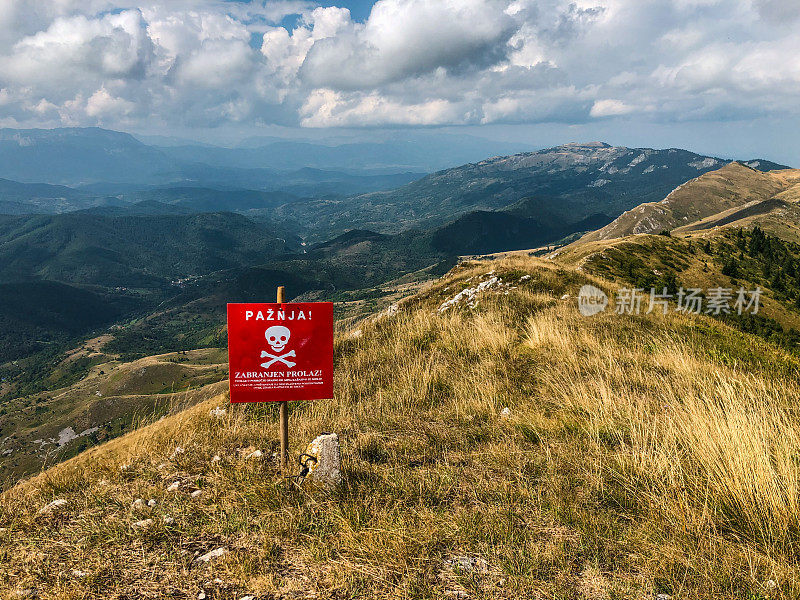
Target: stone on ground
{"type": "Point", "coordinates": [209, 556]}
{"type": "Point", "coordinates": [326, 470]}
{"type": "Point", "coordinates": [143, 524]}
{"type": "Point", "coordinates": [54, 506]}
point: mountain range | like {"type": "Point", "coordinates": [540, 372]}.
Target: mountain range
{"type": "Point", "coordinates": [559, 188]}
{"type": "Point", "coordinates": [104, 161]}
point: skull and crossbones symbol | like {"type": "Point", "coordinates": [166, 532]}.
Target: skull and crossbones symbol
{"type": "Point", "coordinates": [277, 338]}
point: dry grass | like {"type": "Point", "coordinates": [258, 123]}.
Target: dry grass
{"type": "Point", "coordinates": [688, 431]}
{"type": "Point", "coordinates": [642, 455]}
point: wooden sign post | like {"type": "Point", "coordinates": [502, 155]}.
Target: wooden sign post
{"type": "Point", "coordinates": [279, 353]}
{"type": "Point", "coordinates": [284, 412]}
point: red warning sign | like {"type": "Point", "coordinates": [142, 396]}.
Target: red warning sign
{"type": "Point", "coordinates": [280, 351]}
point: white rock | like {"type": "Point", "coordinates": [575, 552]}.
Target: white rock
{"type": "Point", "coordinates": [54, 506]}
{"type": "Point", "coordinates": [143, 524]}
{"type": "Point", "coordinates": [525, 278]}
{"type": "Point", "coordinates": [470, 295]}
{"type": "Point", "coordinates": [214, 554]}
{"type": "Point", "coordinates": [79, 574]}
{"type": "Point", "coordinates": [247, 598]}
{"type": "Point", "coordinates": [197, 493]}
{"type": "Point", "coordinates": [770, 584]}
{"type": "Point", "coordinates": [218, 412]}
{"type": "Point", "coordinates": [505, 413]}
{"type": "Point", "coordinates": [468, 563]}
{"type": "Point", "coordinates": [174, 487]}
{"type": "Point", "coordinates": [125, 467]}
{"type": "Point", "coordinates": [254, 455]}
{"type": "Point", "coordinates": [326, 471]}
{"type": "Point", "coordinates": [216, 458]}
{"type": "Point", "coordinates": [151, 503]}
{"type": "Point", "coordinates": [138, 504]}
{"type": "Point", "coordinates": [177, 452]}
{"type": "Point", "coordinates": [201, 596]}
{"type": "Point", "coordinates": [168, 520]}
{"type": "Point", "coordinates": [565, 297]}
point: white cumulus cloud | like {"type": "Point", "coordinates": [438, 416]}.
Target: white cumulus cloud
{"type": "Point", "coordinates": [610, 108]}
{"type": "Point", "coordinates": [411, 62]}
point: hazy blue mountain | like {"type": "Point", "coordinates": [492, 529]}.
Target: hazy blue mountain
{"type": "Point", "coordinates": [100, 161]}
{"type": "Point", "coordinates": [423, 152]}
{"type": "Point", "coordinates": [306, 181]}
{"type": "Point", "coordinates": [199, 200]}
{"type": "Point", "coordinates": [547, 192]}
{"type": "Point", "coordinates": [73, 156]}
{"type": "Point", "coordinates": [27, 192]}
{"type": "Point", "coordinates": [30, 198]}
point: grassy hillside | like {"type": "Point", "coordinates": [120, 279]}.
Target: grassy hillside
{"type": "Point", "coordinates": [642, 455]}
{"type": "Point", "coordinates": [731, 193]}
{"type": "Point", "coordinates": [725, 260]}
{"type": "Point", "coordinates": [733, 227]}
{"type": "Point", "coordinates": [43, 428]}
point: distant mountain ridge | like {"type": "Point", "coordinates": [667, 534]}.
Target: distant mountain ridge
{"type": "Point", "coordinates": [430, 153]}
{"type": "Point", "coordinates": [25, 198]}
{"type": "Point", "coordinates": [73, 156]}
{"type": "Point", "coordinates": [542, 195]}
{"type": "Point", "coordinates": [95, 157]}
{"type": "Point", "coordinates": [557, 187]}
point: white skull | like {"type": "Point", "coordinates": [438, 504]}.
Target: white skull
{"type": "Point", "coordinates": [277, 337]}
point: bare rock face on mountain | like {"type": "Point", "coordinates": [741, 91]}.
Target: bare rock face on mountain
{"type": "Point", "coordinates": [729, 194]}
{"type": "Point", "coordinates": [568, 156]}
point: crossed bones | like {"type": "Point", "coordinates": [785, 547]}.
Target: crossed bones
{"type": "Point", "coordinates": [281, 358]}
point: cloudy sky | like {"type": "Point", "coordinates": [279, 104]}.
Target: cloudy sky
{"type": "Point", "coordinates": [719, 76]}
